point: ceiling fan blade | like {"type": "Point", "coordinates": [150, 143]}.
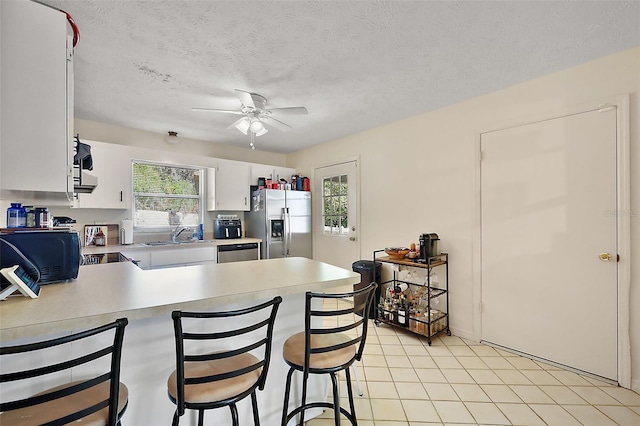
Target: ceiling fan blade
{"type": "Point", "coordinates": [245, 98]}
{"type": "Point", "coordinates": [226, 111]}
{"type": "Point", "coordinates": [289, 110]}
{"type": "Point", "coordinates": [276, 123]}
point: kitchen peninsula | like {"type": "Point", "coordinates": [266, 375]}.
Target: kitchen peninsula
{"type": "Point", "coordinates": [102, 293]}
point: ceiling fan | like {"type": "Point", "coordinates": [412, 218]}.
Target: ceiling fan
{"type": "Point", "coordinates": [256, 115]}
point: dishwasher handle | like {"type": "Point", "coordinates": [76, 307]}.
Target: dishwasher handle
{"type": "Point", "coordinates": [234, 247]}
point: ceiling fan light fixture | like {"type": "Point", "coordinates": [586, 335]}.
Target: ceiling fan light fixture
{"type": "Point", "coordinates": [256, 126]}
{"type": "Point", "coordinates": [172, 138]}
{"type": "Point", "coordinates": [262, 132]}
{"type": "Point", "coordinates": [243, 126]}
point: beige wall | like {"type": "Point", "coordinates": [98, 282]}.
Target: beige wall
{"type": "Point", "coordinates": [420, 174]}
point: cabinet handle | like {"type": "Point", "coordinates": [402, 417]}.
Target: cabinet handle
{"type": "Point", "coordinates": [245, 201]}
{"type": "Point", "coordinates": [120, 196]}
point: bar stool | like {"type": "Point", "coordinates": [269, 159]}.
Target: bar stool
{"type": "Point", "coordinates": [328, 350]}
{"type": "Point", "coordinates": [208, 377]}
{"type": "Point", "coordinates": [98, 400]}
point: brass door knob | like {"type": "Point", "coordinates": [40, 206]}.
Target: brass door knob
{"type": "Point", "coordinates": [605, 257]}
{"type": "Point", "coordinates": [352, 238]}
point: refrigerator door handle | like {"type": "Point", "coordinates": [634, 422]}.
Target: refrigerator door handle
{"type": "Point", "coordinates": [285, 230]}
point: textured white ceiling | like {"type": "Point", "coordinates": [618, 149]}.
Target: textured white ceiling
{"type": "Point", "coordinates": [355, 65]}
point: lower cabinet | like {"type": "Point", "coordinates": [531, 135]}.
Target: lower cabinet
{"type": "Point", "coordinates": [181, 257]}
{"type": "Point", "coordinates": [169, 258]}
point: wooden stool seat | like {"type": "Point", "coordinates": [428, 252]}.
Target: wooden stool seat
{"type": "Point", "coordinates": [217, 390]}
{"type": "Point", "coordinates": [293, 351]}
{"type": "Point", "coordinates": [53, 410]}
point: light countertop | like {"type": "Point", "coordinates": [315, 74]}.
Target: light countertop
{"type": "Point", "coordinates": [103, 293]}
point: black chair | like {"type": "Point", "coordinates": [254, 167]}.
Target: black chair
{"type": "Point", "coordinates": [98, 400]}
{"type": "Point", "coordinates": [328, 350]}
{"type": "Point", "coordinates": [206, 379]}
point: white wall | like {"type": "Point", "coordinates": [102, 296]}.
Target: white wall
{"type": "Point", "coordinates": [419, 175]}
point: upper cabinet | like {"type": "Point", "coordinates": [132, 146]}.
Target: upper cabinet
{"type": "Point", "coordinates": [112, 168]}
{"type": "Point", "coordinates": [36, 102]}
{"type": "Point", "coordinates": [274, 173]}
{"type": "Point", "coordinates": [231, 182]}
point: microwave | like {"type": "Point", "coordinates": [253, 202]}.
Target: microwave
{"type": "Point", "coordinates": [54, 255]}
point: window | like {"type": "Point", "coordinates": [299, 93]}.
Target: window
{"type": "Point", "coordinates": [166, 195]}
{"type": "Point", "coordinates": [334, 205]}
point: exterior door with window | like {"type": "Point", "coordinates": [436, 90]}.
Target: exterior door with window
{"type": "Point", "coordinates": [335, 214]}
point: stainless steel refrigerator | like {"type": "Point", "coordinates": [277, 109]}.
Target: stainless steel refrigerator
{"type": "Point", "coordinates": [282, 219]}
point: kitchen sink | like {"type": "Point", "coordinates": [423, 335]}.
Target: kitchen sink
{"type": "Point", "coordinates": [160, 243]}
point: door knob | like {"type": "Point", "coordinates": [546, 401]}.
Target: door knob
{"type": "Point", "coordinates": [352, 238]}
{"type": "Point", "coordinates": [605, 257]}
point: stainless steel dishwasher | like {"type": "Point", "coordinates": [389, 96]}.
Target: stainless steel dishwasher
{"type": "Point", "coordinates": [237, 252]}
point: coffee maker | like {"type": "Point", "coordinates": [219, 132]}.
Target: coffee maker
{"type": "Point", "coordinates": [428, 247]}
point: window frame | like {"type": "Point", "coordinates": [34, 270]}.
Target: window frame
{"type": "Point", "coordinates": [341, 213]}
{"type": "Point", "coordinates": [134, 195]}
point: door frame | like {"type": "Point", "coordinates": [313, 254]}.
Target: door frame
{"type": "Point", "coordinates": [316, 199]}
{"type": "Point", "coordinates": [622, 213]}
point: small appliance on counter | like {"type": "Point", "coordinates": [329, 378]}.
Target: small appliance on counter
{"type": "Point", "coordinates": [126, 232]}
{"type": "Point", "coordinates": [227, 227]}
{"type": "Point", "coordinates": [51, 255]}
{"type": "Point", "coordinates": [428, 247]}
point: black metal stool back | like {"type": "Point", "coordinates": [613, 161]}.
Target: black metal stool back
{"type": "Point", "coordinates": [218, 373]}
{"type": "Point", "coordinates": [101, 398]}
{"type": "Point", "coordinates": [329, 349]}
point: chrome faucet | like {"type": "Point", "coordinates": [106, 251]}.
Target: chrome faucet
{"type": "Point", "coordinates": [177, 231]}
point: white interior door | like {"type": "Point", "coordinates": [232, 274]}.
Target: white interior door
{"type": "Point", "coordinates": [546, 188]}
{"type": "Point", "coordinates": [335, 215]}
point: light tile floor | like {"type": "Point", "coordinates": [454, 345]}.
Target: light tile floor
{"type": "Point", "coordinates": [406, 382]}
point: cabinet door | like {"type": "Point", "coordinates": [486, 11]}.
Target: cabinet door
{"type": "Point", "coordinates": [274, 173]}
{"type": "Point", "coordinates": [283, 173]}
{"type": "Point", "coordinates": [232, 186]}
{"type": "Point", "coordinates": [182, 256]}
{"type": "Point", "coordinates": [37, 147]}
{"type": "Point", "coordinates": [261, 170]}
{"type": "Point", "coordinates": [112, 167]}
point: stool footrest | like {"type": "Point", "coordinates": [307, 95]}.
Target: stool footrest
{"type": "Point", "coordinates": [309, 405]}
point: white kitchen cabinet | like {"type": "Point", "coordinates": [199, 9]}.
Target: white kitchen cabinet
{"type": "Point", "coordinates": [275, 173]}
{"type": "Point", "coordinates": [283, 173]}
{"type": "Point", "coordinates": [181, 257]}
{"type": "Point", "coordinates": [232, 182]}
{"type": "Point", "coordinates": [36, 101]}
{"type": "Point", "coordinates": [112, 167]}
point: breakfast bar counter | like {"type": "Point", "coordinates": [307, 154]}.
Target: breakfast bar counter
{"type": "Point", "coordinates": [103, 293]}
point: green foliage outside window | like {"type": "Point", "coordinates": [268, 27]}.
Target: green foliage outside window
{"type": "Point", "coordinates": [166, 195]}
{"type": "Point", "coordinates": [335, 206]}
